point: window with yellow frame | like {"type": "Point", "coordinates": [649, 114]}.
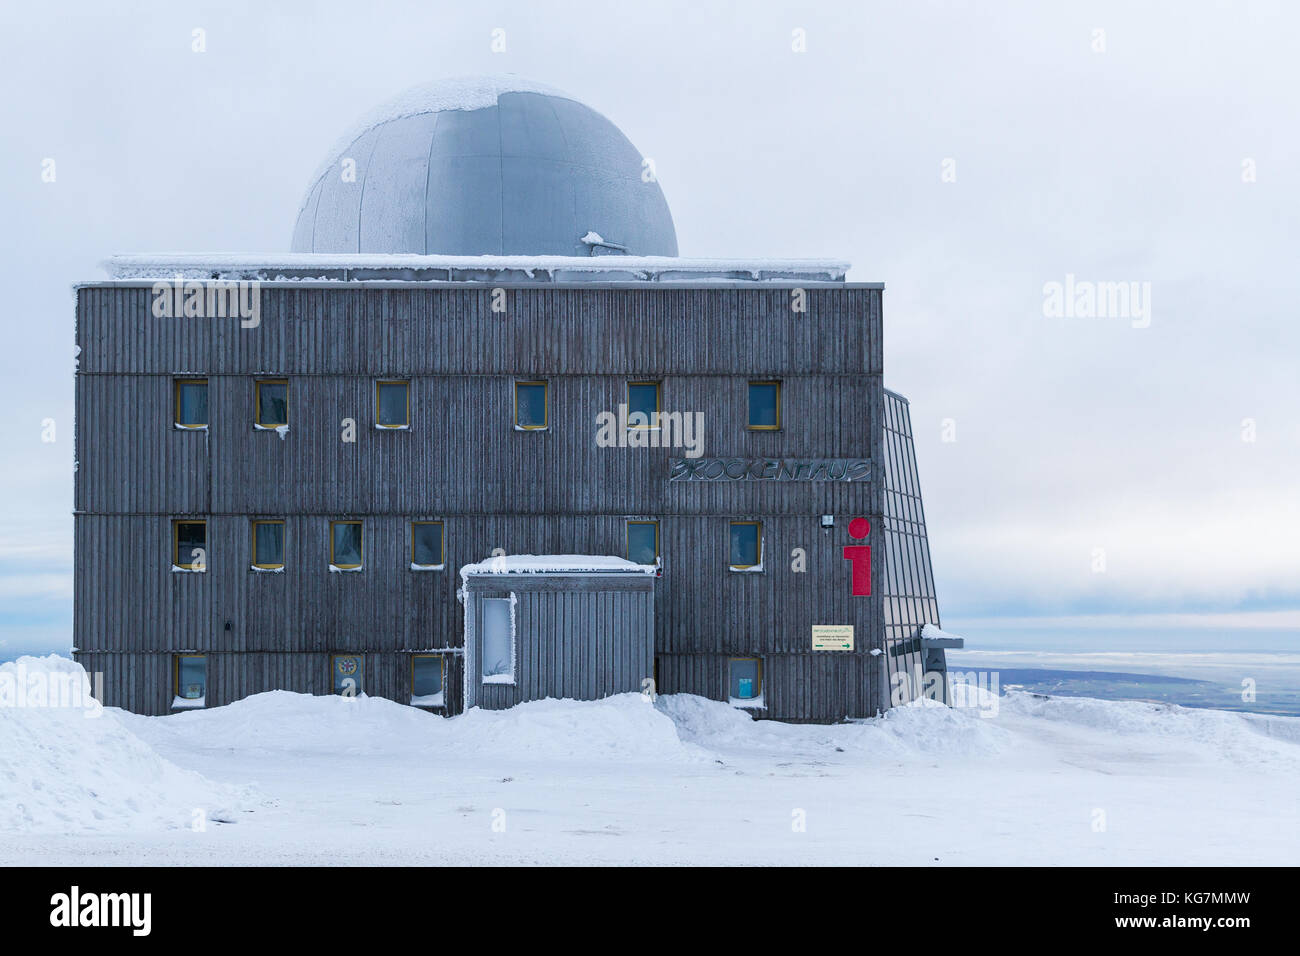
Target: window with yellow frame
{"type": "Point", "coordinates": [643, 405]}
{"type": "Point", "coordinates": [532, 406]}
{"type": "Point", "coordinates": [190, 544]}
{"type": "Point", "coordinates": [745, 681]}
{"type": "Point", "coordinates": [643, 541]}
{"type": "Point", "coordinates": [426, 545]}
{"type": "Point", "coordinates": [190, 400]}
{"type": "Point", "coordinates": [745, 541]}
{"type": "Point", "coordinates": [271, 396]}
{"type": "Point", "coordinates": [345, 545]}
{"type": "Point", "coordinates": [764, 406]}
{"type": "Point", "coordinates": [393, 404]}
{"type": "Point", "coordinates": [428, 673]}
{"type": "Point", "coordinates": [268, 545]}
{"type": "Point", "coordinates": [189, 680]}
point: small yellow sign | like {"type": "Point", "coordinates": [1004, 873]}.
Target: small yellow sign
{"type": "Point", "coordinates": [832, 637]}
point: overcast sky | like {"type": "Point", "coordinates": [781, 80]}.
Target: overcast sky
{"type": "Point", "coordinates": [1147, 143]}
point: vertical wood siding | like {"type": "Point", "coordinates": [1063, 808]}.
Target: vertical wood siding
{"type": "Point", "coordinates": [463, 463]}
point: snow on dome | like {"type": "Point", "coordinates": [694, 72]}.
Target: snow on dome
{"type": "Point", "coordinates": [483, 166]}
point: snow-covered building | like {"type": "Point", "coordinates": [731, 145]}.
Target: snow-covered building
{"type": "Point", "coordinates": [481, 412]}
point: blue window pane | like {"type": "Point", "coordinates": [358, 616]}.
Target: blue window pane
{"type": "Point", "coordinates": [427, 679]}
{"type": "Point", "coordinates": [268, 544]}
{"type": "Point", "coordinates": [763, 405]}
{"type": "Point", "coordinates": [347, 545]}
{"type": "Point", "coordinates": [744, 545]}
{"type": "Point", "coordinates": [191, 678]}
{"type": "Point", "coordinates": [272, 404]}
{"type": "Point", "coordinates": [192, 403]}
{"type": "Point", "coordinates": [347, 675]}
{"type": "Point", "coordinates": [191, 538]}
{"type": "Point", "coordinates": [426, 544]}
{"type": "Point", "coordinates": [393, 404]}
{"type": "Point", "coordinates": [642, 404]}
{"type": "Point", "coordinates": [746, 678]}
{"type": "Point", "coordinates": [641, 542]}
{"type": "Point", "coordinates": [530, 406]}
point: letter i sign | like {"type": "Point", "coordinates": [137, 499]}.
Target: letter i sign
{"type": "Point", "coordinates": [859, 555]}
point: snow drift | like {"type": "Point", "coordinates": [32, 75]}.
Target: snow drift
{"type": "Point", "coordinates": [77, 767]}
{"type": "Point", "coordinates": [622, 727]}
{"type": "Point", "coordinates": [924, 727]}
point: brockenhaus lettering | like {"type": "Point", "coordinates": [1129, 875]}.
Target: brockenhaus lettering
{"type": "Point", "coordinates": [769, 469]}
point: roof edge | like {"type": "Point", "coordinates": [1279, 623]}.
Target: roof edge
{"type": "Point", "coordinates": [349, 267]}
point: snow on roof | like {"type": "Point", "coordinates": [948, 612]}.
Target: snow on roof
{"type": "Point", "coordinates": [351, 267]}
{"type": "Point", "coordinates": [931, 633]}
{"type": "Point", "coordinates": [556, 564]}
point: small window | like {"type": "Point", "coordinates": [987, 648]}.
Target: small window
{"type": "Point", "coordinates": [643, 541]}
{"type": "Point", "coordinates": [531, 406]}
{"type": "Point", "coordinates": [190, 545]}
{"type": "Point", "coordinates": [190, 680]}
{"type": "Point", "coordinates": [426, 680]}
{"type": "Point", "coordinates": [745, 681]}
{"type": "Point", "coordinates": [345, 545]}
{"type": "Point", "coordinates": [746, 546]}
{"type": "Point", "coordinates": [268, 545]}
{"type": "Point", "coordinates": [393, 404]}
{"type": "Point", "coordinates": [764, 406]}
{"type": "Point", "coordinates": [273, 403]}
{"type": "Point", "coordinates": [191, 403]}
{"type": "Point", "coordinates": [642, 404]}
{"type": "Point", "coordinates": [498, 649]}
{"type": "Point", "coordinates": [426, 544]}
{"type": "Point", "coordinates": [347, 671]}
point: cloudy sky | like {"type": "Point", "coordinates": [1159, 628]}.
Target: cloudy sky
{"type": "Point", "coordinates": [1117, 469]}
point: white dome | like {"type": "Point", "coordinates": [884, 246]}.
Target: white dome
{"type": "Point", "coordinates": [485, 166]}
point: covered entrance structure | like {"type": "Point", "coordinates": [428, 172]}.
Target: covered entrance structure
{"type": "Point", "coordinates": [567, 626]}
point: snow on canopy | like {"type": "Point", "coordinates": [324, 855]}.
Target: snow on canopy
{"type": "Point", "coordinates": [555, 564]}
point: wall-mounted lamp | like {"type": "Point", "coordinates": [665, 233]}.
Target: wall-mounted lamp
{"type": "Point", "coordinates": [828, 521]}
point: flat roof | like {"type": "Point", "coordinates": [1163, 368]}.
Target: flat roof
{"type": "Point", "coordinates": [500, 270]}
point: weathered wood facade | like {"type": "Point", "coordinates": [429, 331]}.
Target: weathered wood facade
{"type": "Point", "coordinates": [463, 463]}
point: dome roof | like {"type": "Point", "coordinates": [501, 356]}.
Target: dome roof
{"type": "Point", "coordinates": [485, 166]}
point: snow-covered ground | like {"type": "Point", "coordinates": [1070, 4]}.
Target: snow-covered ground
{"type": "Point", "coordinates": [684, 780]}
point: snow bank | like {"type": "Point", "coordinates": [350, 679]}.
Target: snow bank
{"type": "Point", "coordinates": [623, 727]}
{"type": "Point", "coordinates": [922, 728]}
{"type": "Point", "coordinates": [70, 767]}
{"type": "Point", "coordinates": [281, 721]}
{"type": "Point", "coordinates": [1251, 739]}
